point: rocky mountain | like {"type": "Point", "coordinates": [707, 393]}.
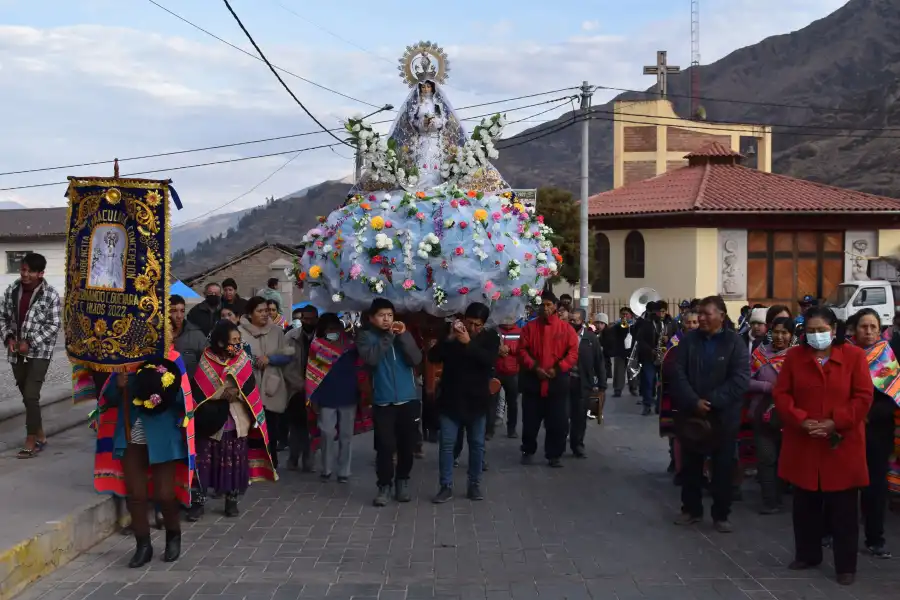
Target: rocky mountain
{"type": "Point", "coordinates": [848, 82]}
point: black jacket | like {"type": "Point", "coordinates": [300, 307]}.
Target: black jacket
{"type": "Point", "coordinates": [591, 370]}
{"type": "Point", "coordinates": [648, 334]}
{"type": "Point", "coordinates": [745, 337]}
{"type": "Point", "coordinates": [204, 316]}
{"type": "Point", "coordinates": [465, 381]}
{"type": "Point", "coordinates": [238, 306]}
{"type": "Point", "coordinates": [716, 369]}
{"type": "Point", "coordinates": [617, 335]}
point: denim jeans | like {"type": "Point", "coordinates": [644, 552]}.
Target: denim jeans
{"type": "Point", "coordinates": [475, 432]}
{"type": "Point", "coordinates": [648, 385]}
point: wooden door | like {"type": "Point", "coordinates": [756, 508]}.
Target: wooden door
{"type": "Point", "coordinates": [783, 266]}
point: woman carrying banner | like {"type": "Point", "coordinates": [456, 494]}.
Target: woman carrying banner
{"type": "Point", "coordinates": [232, 438]}
{"type": "Point", "coordinates": [145, 446]}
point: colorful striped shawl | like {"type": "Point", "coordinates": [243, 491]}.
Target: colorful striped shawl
{"type": "Point", "coordinates": [884, 369]}
{"type": "Point", "coordinates": [109, 477]}
{"type": "Point", "coordinates": [759, 359]}
{"type": "Point", "coordinates": [323, 354]}
{"type": "Point", "coordinates": [894, 472]}
{"type": "Point", "coordinates": [210, 375]}
{"type": "Point", "coordinates": [673, 341]}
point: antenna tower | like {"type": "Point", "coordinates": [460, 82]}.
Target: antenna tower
{"type": "Point", "coordinates": [695, 57]}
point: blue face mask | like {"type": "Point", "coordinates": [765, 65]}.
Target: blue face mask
{"type": "Point", "coordinates": [819, 340]}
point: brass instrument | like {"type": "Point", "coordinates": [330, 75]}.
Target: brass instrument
{"type": "Point", "coordinates": [638, 305]}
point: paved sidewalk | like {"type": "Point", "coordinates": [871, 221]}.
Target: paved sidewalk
{"type": "Point", "coordinates": [599, 528]}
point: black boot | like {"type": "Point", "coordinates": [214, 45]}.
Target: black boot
{"type": "Point", "coordinates": [231, 505]}
{"type": "Point", "coordinates": [143, 553]}
{"type": "Point", "coordinates": [173, 546]}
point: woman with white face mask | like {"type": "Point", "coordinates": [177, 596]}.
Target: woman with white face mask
{"type": "Point", "coordinates": [333, 376]}
{"type": "Point", "coordinates": [822, 396]}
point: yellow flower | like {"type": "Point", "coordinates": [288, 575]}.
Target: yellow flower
{"type": "Point", "coordinates": [148, 405]}
{"type": "Point", "coordinates": [315, 271]}
{"type": "Point", "coordinates": [167, 380]}
{"type": "Point", "coordinates": [377, 223]}
{"type": "Point", "coordinates": [519, 207]}
{"type": "Point", "coordinates": [481, 215]}
{"type": "Point", "coordinates": [137, 402]}
{"type": "Point", "coordinates": [142, 283]}
{"type": "Point", "coordinates": [185, 422]}
{"type": "Point", "coordinates": [153, 198]}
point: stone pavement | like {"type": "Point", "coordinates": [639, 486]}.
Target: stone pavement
{"type": "Point", "coordinates": [599, 528]}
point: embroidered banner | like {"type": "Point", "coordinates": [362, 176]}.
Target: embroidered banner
{"type": "Point", "coordinates": [117, 272]}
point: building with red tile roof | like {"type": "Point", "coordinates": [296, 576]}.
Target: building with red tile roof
{"type": "Point", "coordinates": [716, 226]}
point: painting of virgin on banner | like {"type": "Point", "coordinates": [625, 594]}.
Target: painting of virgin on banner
{"type": "Point", "coordinates": [115, 311]}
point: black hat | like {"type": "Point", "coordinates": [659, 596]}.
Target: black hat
{"type": "Point", "coordinates": [156, 385]}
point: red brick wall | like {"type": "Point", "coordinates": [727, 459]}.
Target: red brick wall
{"type": "Point", "coordinates": [683, 140]}
{"type": "Point", "coordinates": [675, 164]}
{"type": "Point", "coordinates": [639, 170]}
{"type": "Point", "coordinates": [640, 139]}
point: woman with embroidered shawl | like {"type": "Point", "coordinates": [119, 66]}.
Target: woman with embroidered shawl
{"type": "Point", "coordinates": [334, 373]}
{"type": "Point", "coordinates": [232, 439]}
{"type": "Point", "coordinates": [145, 448]}
{"type": "Point", "coordinates": [885, 372]}
{"type": "Point", "coordinates": [688, 321]}
{"type": "Point", "coordinates": [765, 365]}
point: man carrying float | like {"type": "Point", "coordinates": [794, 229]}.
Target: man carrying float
{"type": "Point", "coordinates": [430, 227]}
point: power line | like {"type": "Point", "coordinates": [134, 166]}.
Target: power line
{"type": "Point", "coordinates": [253, 56]}
{"type": "Point", "coordinates": [273, 139]}
{"type": "Point", "coordinates": [735, 101]}
{"type": "Point", "coordinates": [278, 77]}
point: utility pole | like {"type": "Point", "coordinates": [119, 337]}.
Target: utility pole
{"type": "Point", "coordinates": [586, 92]}
{"type": "Point", "coordinates": [358, 169]}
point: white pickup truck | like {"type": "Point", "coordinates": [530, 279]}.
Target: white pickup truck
{"type": "Point", "coordinates": [850, 297]}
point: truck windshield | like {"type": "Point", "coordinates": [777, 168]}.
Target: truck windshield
{"type": "Point", "coordinates": [841, 295]}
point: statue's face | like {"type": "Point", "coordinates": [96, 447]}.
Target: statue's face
{"type": "Point", "coordinates": [426, 88]}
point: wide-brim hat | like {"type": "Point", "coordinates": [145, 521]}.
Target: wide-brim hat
{"type": "Point", "coordinates": [156, 385]}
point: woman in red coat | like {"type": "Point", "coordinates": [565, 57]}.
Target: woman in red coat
{"type": "Point", "coordinates": [823, 396]}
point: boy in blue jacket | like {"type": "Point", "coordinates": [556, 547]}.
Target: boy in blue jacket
{"type": "Point", "coordinates": [391, 354]}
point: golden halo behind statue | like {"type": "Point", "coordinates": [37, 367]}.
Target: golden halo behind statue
{"type": "Point", "coordinates": [424, 61]}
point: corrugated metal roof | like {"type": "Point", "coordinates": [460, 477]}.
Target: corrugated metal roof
{"type": "Point", "coordinates": [33, 222]}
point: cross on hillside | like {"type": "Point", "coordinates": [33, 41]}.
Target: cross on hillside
{"type": "Point", "coordinates": [662, 70]}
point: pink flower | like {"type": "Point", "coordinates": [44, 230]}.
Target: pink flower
{"type": "Point", "coordinates": [488, 286]}
{"type": "Point", "coordinates": [463, 224]}
{"type": "Point", "coordinates": [529, 256]}
{"type": "Point", "coordinates": [155, 399]}
{"type": "Point", "coordinates": [355, 271]}
{"type": "Point", "coordinates": [454, 204]}
{"type": "Point", "coordinates": [521, 229]}
{"type": "Point", "coordinates": [388, 224]}
{"type": "Point", "coordinates": [459, 251]}
{"type": "Point", "coordinates": [161, 370]}
{"type": "Point", "coordinates": [540, 218]}
{"type": "Point", "coordinates": [499, 247]}
{"type": "Point", "coordinates": [409, 284]}
{"type": "Point", "coordinates": [463, 290]}
{"type": "Point", "coordinates": [319, 244]}
{"type": "Point", "coordinates": [310, 253]}
{"type": "Point", "coordinates": [543, 271]}
{"type": "Point", "coordinates": [464, 202]}
{"type": "Point", "coordinates": [495, 296]}
{"type": "Point", "coordinates": [420, 216]}
{"type": "Point", "coordinates": [372, 197]}
{"type": "Point", "coordinates": [489, 235]}
{"type": "Point", "coordinates": [517, 292]}
{"type": "Point", "coordinates": [496, 216]}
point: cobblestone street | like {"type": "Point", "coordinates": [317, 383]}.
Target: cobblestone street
{"type": "Point", "coordinates": [599, 528]}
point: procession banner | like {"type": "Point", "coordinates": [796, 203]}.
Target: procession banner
{"type": "Point", "coordinates": [117, 272]}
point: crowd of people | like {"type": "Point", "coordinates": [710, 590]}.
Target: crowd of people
{"type": "Point", "coordinates": [807, 404]}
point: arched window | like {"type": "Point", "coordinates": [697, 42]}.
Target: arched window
{"type": "Point", "coordinates": [600, 281]}
{"type": "Point", "coordinates": [634, 255]}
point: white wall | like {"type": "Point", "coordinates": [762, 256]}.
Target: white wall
{"type": "Point", "coordinates": [53, 249]}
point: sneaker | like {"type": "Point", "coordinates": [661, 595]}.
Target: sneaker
{"type": "Point", "coordinates": [879, 551]}
{"type": "Point", "coordinates": [401, 491]}
{"type": "Point", "coordinates": [444, 495]}
{"type": "Point", "coordinates": [455, 463]}
{"type": "Point", "coordinates": [383, 496]}
{"type": "Point", "coordinates": [555, 463]}
{"type": "Point", "coordinates": [474, 492]}
{"type": "Point", "coordinates": [484, 466]}
{"type": "Point", "coordinates": [324, 477]}
{"type": "Point", "coordinates": [527, 459]}
{"type": "Point", "coordinates": [579, 452]}
{"type": "Point", "coordinates": [687, 519]}
{"type": "Point", "coordinates": [723, 526]}
{"type": "Point", "coordinates": [342, 479]}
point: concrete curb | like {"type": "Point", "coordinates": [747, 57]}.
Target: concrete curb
{"type": "Point", "coordinates": [49, 396]}
{"type": "Point", "coordinates": [61, 542]}
{"type": "Point", "coordinates": [57, 420]}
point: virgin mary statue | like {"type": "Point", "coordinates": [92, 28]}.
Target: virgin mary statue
{"type": "Point", "coordinates": [427, 129]}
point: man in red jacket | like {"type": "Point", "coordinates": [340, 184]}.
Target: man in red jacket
{"type": "Point", "coordinates": [507, 371]}
{"type": "Point", "coordinates": [548, 349]}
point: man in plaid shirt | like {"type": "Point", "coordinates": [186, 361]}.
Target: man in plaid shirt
{"type": "Point", "coordinates": [29, 325]}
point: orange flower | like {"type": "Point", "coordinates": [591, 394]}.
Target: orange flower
{"type": "Point", "coordinates": [420, 194]}
{"type": "Point", "coordinates": [302, 276]}
{"type": "Point", "coordinates": [365, 205]}
{"type": "Point", "coordinates": [471, 193]}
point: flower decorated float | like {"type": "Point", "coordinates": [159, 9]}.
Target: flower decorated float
{"type": "Point", "coordinates": [431, 225]}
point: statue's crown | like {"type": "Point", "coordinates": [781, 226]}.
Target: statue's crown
{"type": "Point", "coordinates": [426, 61]}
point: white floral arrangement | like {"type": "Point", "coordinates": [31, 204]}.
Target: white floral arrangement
{"type": "Point", "coordinates": [383, 161]}
{"type": "Point", "coordinates": [436, 253]}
